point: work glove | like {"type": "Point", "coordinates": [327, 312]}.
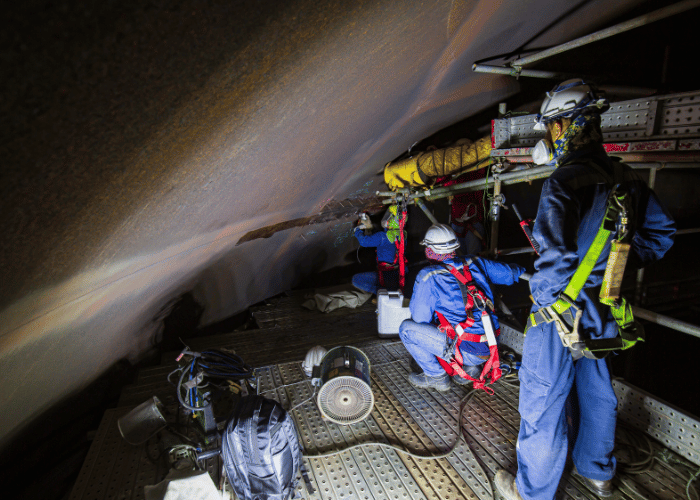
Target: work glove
{"type": "Point", "coordinates": [366, 225]}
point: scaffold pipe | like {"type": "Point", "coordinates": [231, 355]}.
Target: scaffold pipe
{"type": "Point", "coordinates": [666, 321]}
{"type": "Point", "coordinates": [531, 73]}
{"type": "Point", "coordinates": [659, 319]}
{"type": "Point", "coordinates": [607, 32]}
{"type": "Point", "coordinates": [427, 212]}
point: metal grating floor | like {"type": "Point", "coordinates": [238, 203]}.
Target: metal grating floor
{"type": "Point", "coordinates": [422, 421]}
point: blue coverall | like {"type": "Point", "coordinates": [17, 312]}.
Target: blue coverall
{"type": "Point", "coordinates": [386, 252]}
{"type": "Point", "coordinates": [570, 212]}
{"type": "Point", "coordinates": [437, 290]}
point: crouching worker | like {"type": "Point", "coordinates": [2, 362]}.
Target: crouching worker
{"type": "Point", "coordinates": [387, 243]}
{"type": "Point", "coordinates": [453, 328]}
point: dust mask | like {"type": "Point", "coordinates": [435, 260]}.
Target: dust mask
{"type": "Point", "coordinates": [542, 153]}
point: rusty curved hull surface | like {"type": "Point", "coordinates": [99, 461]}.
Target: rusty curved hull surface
{"type": "Point", "coordinates": [170, 135]}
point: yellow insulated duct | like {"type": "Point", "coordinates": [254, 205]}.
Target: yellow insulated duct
{"type": "Point", "coordinates": [419, 170]}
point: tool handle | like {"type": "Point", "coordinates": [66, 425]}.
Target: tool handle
{"type": "Point", "coordinates": [517, 212]}
{"type": "Point", "coordinates": [528, 232]}
{"type": "Point", "coordinates": [526, 229]}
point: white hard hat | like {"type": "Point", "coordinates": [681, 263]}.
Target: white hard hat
{"type": "Point", "coordinates": [568, 100]}
{"type": "Point", "coordinates": [313, 358]}
{"type": "Point", "coordinates": [441, 239]}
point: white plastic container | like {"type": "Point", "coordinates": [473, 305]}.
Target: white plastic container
{"type": "Point", "coordinates": [392, 309]}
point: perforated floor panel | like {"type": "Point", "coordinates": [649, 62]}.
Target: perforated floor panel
{"type": "Point", "coordinates": [423, 422]}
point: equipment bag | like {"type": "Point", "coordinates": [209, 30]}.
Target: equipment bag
{"type": "Point", "coordinates": [261, 451]}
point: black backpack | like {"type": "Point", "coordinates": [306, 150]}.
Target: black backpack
{"type": "Point", "coordinates": [261, 451]}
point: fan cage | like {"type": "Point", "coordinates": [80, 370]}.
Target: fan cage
{"type": "Point", "coordinates": [345, 400]}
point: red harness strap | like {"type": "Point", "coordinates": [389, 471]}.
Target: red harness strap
{"type": "Point", "coordinates": [492, 366]}
{"type": "Point", "coordinates": [399, 257]}
{"type": "Point", "coordinates": [401, 251]}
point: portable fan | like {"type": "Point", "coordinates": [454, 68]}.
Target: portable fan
{"type": "Point", "coordinates": [345, 396]}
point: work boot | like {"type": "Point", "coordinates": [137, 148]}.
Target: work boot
{"type": "Point", "coordinates": [415, 367]}
{"type": "Point", "coordinates": [472, 371]}
{"type": "Point", "coordinates": [423, 381]}
{"type": "Point", "coordinates": [602, 488]}
{"type": "Point", "coordinates": [505, 484]}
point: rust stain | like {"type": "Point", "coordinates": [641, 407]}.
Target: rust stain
{"type": "Point", "coordinates": [330, 212]}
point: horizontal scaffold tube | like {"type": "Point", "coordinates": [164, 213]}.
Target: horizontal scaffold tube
{"type": "Point", "coordinates": [607, 32]}
{"type": "Point", "coordinates": [532, 73]}
{"type": "Point", "coordinates": [479, 184]}
{"type": "Point", "coordinates": [514, 177]}
{"type": "Point", "coordinates": [659, 319]}
{"type": "Point", "coordinates": [666, 321]}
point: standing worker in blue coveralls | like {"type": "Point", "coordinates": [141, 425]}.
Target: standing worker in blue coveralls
{"type": "Point", "coordinates": [573, 205]}
{"type": "Point", "coordinates": [386, 242]}
{"type": "Point", "coordinates": [437, 295]}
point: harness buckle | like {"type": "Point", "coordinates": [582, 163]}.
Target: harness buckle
{"type": "Point", "coordinates": [547, 314]}
{"type": "Point", "coordinates": [479, 301]}
{"type": "Point", "coordinates": [567, 328]}
{"type": "Point", "coordinates": [448, 351]}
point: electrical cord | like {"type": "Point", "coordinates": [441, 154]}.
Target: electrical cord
{"type": "Point", "coordinates": [693, 477]}
{"type": "Point", "coordinates": [638, 448]}
{"type": "Point", "coordinates": [213, 363]}
{"type": "Point", "coordinates": [665, 455]}
{"type": "Point", "coordinates": [219, 364]}
{"type": "Point", "coordinates": [460, 438]}
{"type": "Point", "coordinates": [642, 453]}
{"type": "Point", "coordinates": [305, 401]}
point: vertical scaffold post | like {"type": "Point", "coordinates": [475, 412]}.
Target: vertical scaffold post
{"type": "Point", "coordinates": [495, 215]}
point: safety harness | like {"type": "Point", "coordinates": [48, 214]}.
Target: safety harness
{"type": "Point", "coordinates": [399, 257]}
{"type": "Point", "coordinates": [474, 300]}
{"type": "Point", "coordinates": [565, 314]}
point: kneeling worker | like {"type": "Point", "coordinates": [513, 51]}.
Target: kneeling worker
{"type": "Point", "coordinates": [453, 327]}
{"type": "Point", "coordinates": [387, 243]}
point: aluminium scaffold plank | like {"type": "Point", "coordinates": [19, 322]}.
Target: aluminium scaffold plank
{"type": "Point", "coordinates": [660, 123]}
{"type": "Point", "coordinates": [423, 422]}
